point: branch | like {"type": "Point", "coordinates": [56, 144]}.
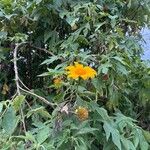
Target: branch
{"type": "Point", "coordinates": [31, 93]}
{"type": "Point", "coordinates": [39, 97]}
{"type": "Point", "coordinates": [24, 85]}
{"type": "Point", "coordinates": [42, 49]}
{"type": "Point", "coordinates": [17, 80]}
{"type": "Point", "coordinates": [15, 66]}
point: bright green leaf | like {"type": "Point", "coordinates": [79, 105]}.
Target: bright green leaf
{"type": "Point", "coordinates": [17, 102]}
{"type": "Point", "coordinates": [9, 121]}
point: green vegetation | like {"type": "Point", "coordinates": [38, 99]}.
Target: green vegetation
{"type": "Point", "coordinates": [101, 101]}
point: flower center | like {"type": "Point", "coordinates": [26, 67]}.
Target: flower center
{"type": "Point", "coordinates": [80, 71]}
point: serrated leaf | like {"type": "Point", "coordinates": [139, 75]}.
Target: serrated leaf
{"type": "Point", "coordinates": [44, 113]}
{"type": "Point", "coordinates": [119, 59]}
{"type": "Point", "coordinates": [107, 130]}
{"type": "Point", "coordinates": [17, 102]}
{"type": "Point", "coordinates": [104, 68]}
{"type": "Point", "coordinates": [98, 85]}
{"type": "Point", "coordinates": [136, 140]}
{"type": "Point", "coordinates": [110, 130]}
{"type": "Point", "coordinates": [40, 111]}
{"type": "Point", "coordinates": [50, 60]}
{"type": "Point", "coordinates": [103, 113]}
{"type": "Point", "coordinates": [9, 121]}
{"type": "Point", "coordinates": [81, 144]}
{"type": "Point", "coordinates": [128, 145]}
{"type": "Point", "coordinates": [43, 134]}
{"type": "Point", "coordinates": [116, 138]}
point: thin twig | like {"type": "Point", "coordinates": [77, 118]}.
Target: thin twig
{"type": "Point", "coordinates": [31, 93]}
{"type": "Point", "coordinates": [39, 97]}
{"type": "Point", "coordinates": [17, 79]}
{"type": "Point", "coordinates": [15, 67]}
{"type": "Point", "coordinates": [42, 49]}
{"type": "Point", "coordinates": [28, 104]}
{"type": "Point", "coordinates": [23, 84]}
{"type": "Point", "coordinates": [27, 89]}
{"type": "Point", "coordinates": [45, 50]}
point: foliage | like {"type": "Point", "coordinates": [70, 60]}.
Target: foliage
{"type": "Point", "coordinates": [107, 110]}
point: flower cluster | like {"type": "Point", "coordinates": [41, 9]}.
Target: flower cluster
{"type": "Point", "coordinates": [78, 70]}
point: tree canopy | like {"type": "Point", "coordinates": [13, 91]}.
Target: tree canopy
{"type": "Point", "coordinates": [71, 75]}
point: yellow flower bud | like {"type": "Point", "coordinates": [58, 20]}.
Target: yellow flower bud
{"type": "Point", "coordinates": [82, 113]}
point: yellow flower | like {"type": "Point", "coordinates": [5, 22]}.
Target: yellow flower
{"type": "Point", "coordinates": [82, 113]}
{"type": "Point", "coordinates": [78, 70]}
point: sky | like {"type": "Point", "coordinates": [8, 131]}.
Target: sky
{"type": "Point", "coordinates": [146, 45]}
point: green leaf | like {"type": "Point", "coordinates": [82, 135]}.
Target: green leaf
{"type": "Point", "coordinates": [109, 129]}
{"type": "Point", "coordinates": [136, 140]}
{"type": "Point", "coordinates": [38, 1]}
{"type": "Point", "coordinates": [9, 121]}
{"type": "Point", "coordinates": [17, 102]}
{"type": "Point", "coordinates": [43, 134]}
{"type": "Point", "coordinates": [121, 69]}
{"type": "Point", "coordinates": [98, 85]}
{"type": "Point", "coordinates": [98, 26]}
{"type": "Point", "coordinates": [30, 136]}
{"type": "Point", "coordinates": [119, 59]}
{"type": "Point", "coordinates": [47, 35]}
{"type": "Point", "coordinates": [1, 14]}
{"type": "Point", "coordinates": [81, 144]}
{"type": "Point", "coordinates": [144, 145]}
{"type": "Point", "coordinates": [82, 40]}
{"type": "Point", "coordinates": [9, 16]}
{"type": "Point", "coordinates": [86, 130]}
{"type": "Point", "coordinates": [3, 34]}
{"type": "Point", "coordinates": [50, 60]}
{"type": "Point", "coordinates": [103, 113]}
{"type": "Point", "coordinates": [113, 20]}
{"type": "Point", "coordinates": [116, 138]}
{"type": "Point", "coordinates": [1, 107]}
{"type": "Point", "coordinates": [129, 4]}
{"type": "Point", "coordinates": [104, 68]}
{"type": "Point", "coordinates": [128, 145]}
{"type": "Point", "coordinates": [111, 45]}
{"type": "Point", "coordinates": [41, 111]}
{"type": "Point", "coordinates": [147, 135]}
